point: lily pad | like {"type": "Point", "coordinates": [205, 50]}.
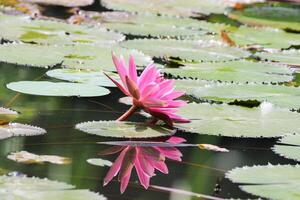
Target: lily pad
{"type": "Point", "coordinates": [236, 121]}
{"type": "Point", "coordinates": [289, 57]}
{"type": "Point", "coordinates": [265, 37]}
{"type": "Point", "coordinates": [279, 95]}
{"type": "Point", "coordinates": [271, 181]}
{"type": "Point", "coordinates": [83, 76]}
{"type": "Point", "coordinates": [192, 50]}
{"type": "Point", "coordinates": [234, 71]}
{"type": "Point", "coordinates": [174, 7]}
{"type": "Point", "coordinates": [277, 15]}
{"type": "Point", "coordinates": [16, 129]}
{"type": "Point", "coordinates": [19, 187]}
{"type": "Point", "coordinates": [123, 129]}
{"type": "Point", "coordinates": [45, 88]}
{"type": "Point", "coordinates": [99, 162]}
{"type": "Point", "coordinates": [66, 3]}
{"type": "Point", "coordinates": [88, 57]}
{"type": "Point", "coordinates": [7, 115]}
{"type": "Point", "coordinates": [22, 28]}
{"type": "Point", "coordinates": [189, 85]}
{"type": "Point", "coordinates": [289, 147]}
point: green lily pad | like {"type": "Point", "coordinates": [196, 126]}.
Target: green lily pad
{"type": "Point", "coordinates": [282, 96]}
{"type": "Point", "coordinates": [289, 57]}
{"type": "Point", "coordinates": [188, 85]}
{"type": "Point", "coordinates": [123, 129]}
{"type": "Point", "coordinates": [18, 187]}
{"type": "Point", "coordinates": [83, 76]}
{"type": "Point", "coordinates": [7, 115]}
{"type": "Point", "coordinates": [149, 24]}
{"type": "Point", "coordinates": [99, 162]}
{"type": "Point", "coordinates": [236, 121]}
{"type": "Point", "coordinates": [45, 88]}
{"type": "Point", "coordinates": [88, 57]}
{"type": "Point", "coordinates": [234, 71]}
{"type": "Point", "coordinates": [174, 7]}
{"type": "Point", "coordinates": [66, 3]}
{"type": "Point", "coordinates": [191, 50]}
{"type": "Point", "coordinates": [22, 28]}
{"type": "Point", "coordinates": [265, 37]}
{"type": "Point", "coordinates": [289, 147]}
{"type": "Point", "coordinates": [16, 129]}
{"type": "Point", "coordinates": [270, 181]}
{"type": "Point", "coordinates": [277, 15]}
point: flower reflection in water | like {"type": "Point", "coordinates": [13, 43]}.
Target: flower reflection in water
{"type": "Point", "coordinates": [145, 160]}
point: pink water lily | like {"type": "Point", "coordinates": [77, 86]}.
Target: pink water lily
{"type": "Point", "coordinates": [150, 91]}
{"type": "Point", "coordinates": [145, 160]}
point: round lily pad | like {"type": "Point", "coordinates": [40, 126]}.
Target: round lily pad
{"type": "Point", "coordinates": [237, 121]}
{"type": "Point", "coordinates": [45, 88]}
{"type": "Point", "coordinates": [289, 57]}
{"type": "Point", "coordinates": [123, 129]}
{"type": "Point", "coordinates": [234, 71]}
{"type": "Point", "coordinates": [289, 147]}
{"type": "Point", "coordinates": [279, 95]}
{"type": "Point", "coordinates": [192, 50]}
{"type": "Point", "coordinates": [270, 181]}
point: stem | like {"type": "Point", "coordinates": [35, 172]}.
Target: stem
{"type": "Point", "coordinates": [128, 113]}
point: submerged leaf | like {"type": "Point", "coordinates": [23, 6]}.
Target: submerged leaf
{"type": "Point", "coordinates": [45, 88]}
{"type": "Point", "coordinates": [236, 121]}
{"type": "Point", "coordinates": [270, 181]}
{"type": "Point", "coordinates": [123, 129]}
{"type": "Point", "coordinates": [30, 158]}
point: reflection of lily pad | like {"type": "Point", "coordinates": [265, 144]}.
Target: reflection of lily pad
{"type": "Point", "coordinates": [278, 15]}
{"type": "Point", "coordinates": [16, 129]}
{"type": "Point", "coordinates": [236, 121]}
{"type": "Point", "coordinates": [82, 76]}
{"type": "Point", "coordinates": [45, 88]}
{"type": "Point", "coordinates": [289, 147]}
{"type": "Point", "coordinates": [283, 96]}
{"type": "Point", "coordinates": [236, 71]}
{"type": "Point", "coordinates": [192, 50]}
{"type": "Point", "coordinates": [272, 182]}
{"type": "Point", "coordinates": [20, 28]}
{"type": "Point", "coordinates": [89, 57]}
{"type": "Point", "coordinates": [7, 115]}
{"type": "Point", "coordinates": [123, 129]}
{"type": "Point", "coordinates": [16, 187]}
{"type": "Point", "coordinates": [99, 162]}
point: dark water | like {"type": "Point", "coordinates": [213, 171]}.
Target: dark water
{"type": "Point", "coordinates": [200, 171]}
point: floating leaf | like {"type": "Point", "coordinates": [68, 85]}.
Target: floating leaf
{"type": "Point", "coordinates": [88, 57]}
{"type": "Point", "coordinates": [7, 115]}
{"type": "Point", "coordinates": [236, 121]}
{"type": "Point", "coordinates": [66, 3]}
{"type": "Point", "coordinates": [19, 187]}
{"type": "Point", "coordinates": [289, 147]}
{"type": "Point", "coordinates": [22, 28]}
{"type": "Point", "coordinates": [274, 182]}
{"type": "Point", "coordinates": [126, 100]}
{"type": "Point", "coordinates": [99, 162]}
{"type": "Point", "coordinates": [278, 15]}
{"type": "Point", "coordinates": [45, 88]}
{"type": "Point", "coordinates": [234, 71]}
{"type": "Point", "coordinates": [123, 129]}
{"type": "Point", "coordinates": [265, 37]}
{"type": "Point", "coordinates": [16, 129]}
{"type": "Point", "coordinates": [174, 7]}
{"type": "Point", "coordinates": [290, 57]}
{"type": "Point", "coordinates": [83, 76]}
{"type": "Point", "coordinates": [30, 158]}
{"type": "Point", "coordinates": [189, 85]}
{"type": "Point", "coordinates": [191, 50]}
{"type": "Point", "coordinates": [283, 96]}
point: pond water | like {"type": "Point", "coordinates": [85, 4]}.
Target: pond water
{"type": "Point", "coordinates": [200, 171]}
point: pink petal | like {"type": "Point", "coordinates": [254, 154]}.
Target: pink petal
{"type": "Point", "coordinates": [145, 164]}
{"type": "Point", "coordinates": [165, 87]}
{"type": "Point", "coordinates": [149, 102]}
{"type": "Point", "coordinates": [147, 76]}
{"type": "Point", "coordinates": [126, 168]}
{"type": "Point", "coordinates": [132, 88]}
{"type": "Point", "coordinates": [173, 95]}
{"type": "Point", "coordinates": [175, 140]}
{"type": "Point", "coordinates": [162, 167]}
{"type": "Point", "coordinates": [143, 177]}
{"type": "Point", "coordinates": [124, 183]}
{"type": "Point", "coordinates": [120, 67]}
{"type": "Point", "coordinates": [176, 103]}
{"type": "Point", "coordinates": [149, 90]}
{"type": "Point", "coordinates": [124, 90]}
{"type": "Point", "coordinates": [132, 69]}
{"type": "Point", "coordinates": [115, 168]}
{"type": "Point", "coordinates": [170, 152]}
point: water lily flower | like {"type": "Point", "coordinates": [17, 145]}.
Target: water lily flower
{"type": "Point", "coordinates": [150, 91]}
{"type": "Point", "coordinates": [145, 160]}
